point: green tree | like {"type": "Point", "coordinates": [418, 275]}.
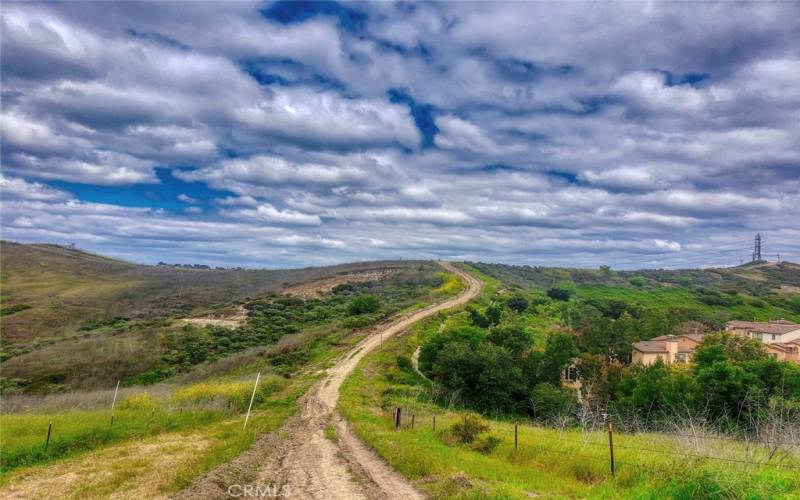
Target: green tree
{"type": "Point", "coordinates": [430, 350]}
{"type": "Point", "coordinates": [559, 294]}
{"type": "Point", "coordinates": [363, 304]}
{"type": "Point", "coordinates": [557, 356]}
{"type": "Point", "coordinates": [549, 403]}
{"type": "Point", "coordinates": [515, 339]}
{"type": "Point", "coordinates": [517, 303]}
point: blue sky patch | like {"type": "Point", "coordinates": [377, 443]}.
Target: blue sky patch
{"type": "Point", "coordinates": [288, 12]}
{"type": "Point", "coordinates": [163, 195]}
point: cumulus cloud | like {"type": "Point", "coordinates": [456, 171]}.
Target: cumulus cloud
{"type": "Point", "coordinates": [631, 134]}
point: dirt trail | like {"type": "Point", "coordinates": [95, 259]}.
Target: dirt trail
{"type": "Point", "coordinates": [306, 464]}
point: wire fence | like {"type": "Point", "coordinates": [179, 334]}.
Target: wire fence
{"type": "Point", "coordinates": [409, 420]}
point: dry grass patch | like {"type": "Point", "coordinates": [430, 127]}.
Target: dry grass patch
{"type": "Point", "coordinates": [135, 469]}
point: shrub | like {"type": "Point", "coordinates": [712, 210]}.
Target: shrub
{"type": "Point", "coordinates": [7, 311]}
{"type": "Point", "coordinates": [467, 430]}
{"type": "Point", "coordinates": [549, 402]}
{"type": "Point", "coordinates": [559, 294]}
{"type": "Point", "coordinates": [517, 303]}
{"type": "Point", "coordinates": [486, 445]}
{"type": "Point", "coordinates": [638, 281]}
{"type": "Point", "coordinates": [363, 304]}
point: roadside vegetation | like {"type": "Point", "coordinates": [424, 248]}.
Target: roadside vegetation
{"type": "Point", "coordinates": [189, 417]}
{"type": "Point", "coordinates": [499, 361]}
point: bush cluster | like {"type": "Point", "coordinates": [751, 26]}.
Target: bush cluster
{"type": "Point", "coordinates": [495, 369]}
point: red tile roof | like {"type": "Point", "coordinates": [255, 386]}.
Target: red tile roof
{"type": "Point", "coordinates": [650, 346]}
{"type": "Point", "coordinates": [696, 337]}
{"type": "Point", "coordinates": [773, 327]}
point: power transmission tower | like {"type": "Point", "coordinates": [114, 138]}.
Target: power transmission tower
{"type": "Point", "coordinates": [757, 248]}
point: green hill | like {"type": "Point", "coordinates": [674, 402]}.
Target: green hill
{"type": "Point", "coordinates": [761, 291]}
{"type": "Point", "coordinates": [49, 291]}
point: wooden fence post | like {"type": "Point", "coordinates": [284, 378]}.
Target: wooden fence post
{"type": "Point", "coordinates": [516, 435]}
{"type": "Point", "coordinates": [412, 420]}
{"type": "Point", "coordinates": [611, 445]}
{"type": "Point", "coordinates": [49, 430]}
{"type": "Point", "coordinates": [434, 423]}
{"type": "Point", "coordinates": [397, 418]}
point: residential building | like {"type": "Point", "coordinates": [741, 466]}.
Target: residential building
{"type": "Point", "coordinates": [668, 348]}
{"type": "Point", "coordinates": [781, 338]}
{"type": "Point", "coordinates": [768, 332]}
{"type": "Point", "coordinates": [786, 351]}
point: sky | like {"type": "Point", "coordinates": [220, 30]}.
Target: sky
{"type": "Point", "coordinates": [635, 134]}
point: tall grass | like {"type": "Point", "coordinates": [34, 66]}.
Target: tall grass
{"type": "Point", "coordinates": [549, 462]}
{"type": "Point", "coordinates": [451, 284]}
{"type": "Point", "coordinates": [23, 436]}
{"type": "Point", "coordinates": [230, 395]}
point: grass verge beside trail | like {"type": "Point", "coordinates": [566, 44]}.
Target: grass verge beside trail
{"type": "Point", "coordinates": [548, 463]}
{"type": "Point", "coordinates": [165, 436]}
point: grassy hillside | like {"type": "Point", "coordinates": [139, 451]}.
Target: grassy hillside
{"type": "Point", "coordinates": [65, 289]}
{"type": "Point", "coordinates": [73, 320]}
{"type": "Point", "coordinates": [760, 291]}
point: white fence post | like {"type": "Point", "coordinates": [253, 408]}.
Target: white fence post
{"type": "Point", "coordinates": [252, 398]}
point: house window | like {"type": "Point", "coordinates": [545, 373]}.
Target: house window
{"type": "Point", "coordinates": [760, 336]}
{"type": "Point", "coordinates": [773, 336]}
{"type": "Point", "coordinates": [571, 374]}
{"type": "Point", "coordinates": [681, 358]}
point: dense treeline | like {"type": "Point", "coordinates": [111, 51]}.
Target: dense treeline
{"type": "Point", "coordinates": [732, 384]}
{"type": "Point", "coordinates": [495, 370]}
{"type": "Point", "coordinates": [494, 366]}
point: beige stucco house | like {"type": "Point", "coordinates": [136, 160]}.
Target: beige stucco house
{"type": "Point", "coordinates": [781, 338]}
{"type": "Point", "coordinates": [769, 332]}
{"type": "Point", "coordinates": [668, 348]}
{"type": "Point", "coordinates": [786, 351]}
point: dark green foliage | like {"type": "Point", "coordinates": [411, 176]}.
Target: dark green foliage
{"type": "Point", "coordinates": [559, 293]}
{"type": "Point", "coordinates": [517, 303]}
{"type": "Point", "coordinates": [8, 311]}
{"type": "Point", "coordinates": [549, 402]}
{"type": "Point", "coordinates": [429, 352]}
{"type": "Point", "coordinates": [733, 385]}
{"type": "Point", "coordinates": [638, 281]}
{"type": "Point", "coordinates": [715, 297]}
{"type": "Point", "coordinates": [486, 444]}
{"type": "Point", "coordinates": [363, 304]}
{"type": "Point", "coordinates": [718, 347]}
{"type": "Point", "coordinates": [490, 316]}
{"type": "Point", "coordinates": [517, 341]}
{"type": "Point", "coordinates": [557, 354]}
{"type": "Point", "coordinates": [493, 371]}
